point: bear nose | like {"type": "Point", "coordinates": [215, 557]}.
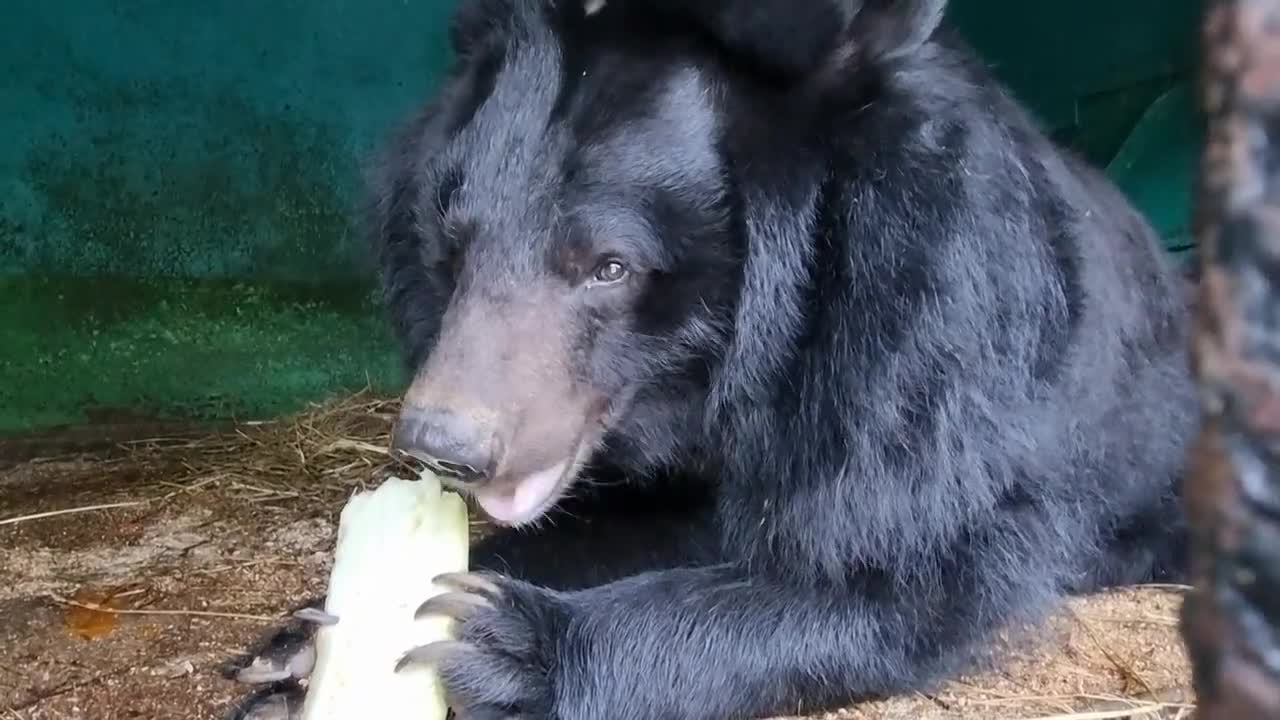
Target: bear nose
{"type": "Point", "coordinates": [452, 445]}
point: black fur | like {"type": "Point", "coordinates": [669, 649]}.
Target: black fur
{"type": "Point", "coordinates": [899, 372]}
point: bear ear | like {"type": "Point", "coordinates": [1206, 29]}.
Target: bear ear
{"type": "Point", "coordinates": [796, 39]}
{"type": "Point", "coordinates": [889, 29]}
{"type": "Point", "coordinates": [473, 21]}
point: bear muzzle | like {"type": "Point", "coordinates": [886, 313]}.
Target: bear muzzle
{"type": "Point", "coordinates": [497, 412]}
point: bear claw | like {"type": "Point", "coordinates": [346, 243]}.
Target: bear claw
{"type": "Point", "coordinates": [316, 616]}
{"type": "Point", "coordinates": [470, 583]}
{"type": "Point", "coordinates": [272, 667]}
{"type": "Point", "coordinates": [432, 653]}
{"type": "Point", "coordinates": [456, 605]}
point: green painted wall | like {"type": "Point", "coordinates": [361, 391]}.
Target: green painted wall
{"type": "Point", "coordinates": [176, 187]}
{"type": "Point", "coordinates": [177, 182]}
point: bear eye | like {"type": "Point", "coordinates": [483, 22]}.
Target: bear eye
{"type": "Point", "coordinates": [610, 271]}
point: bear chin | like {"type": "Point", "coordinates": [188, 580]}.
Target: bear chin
{"type": "Point", "coordinates": [527, 499]}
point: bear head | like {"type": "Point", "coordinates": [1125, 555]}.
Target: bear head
{"type": "Point", "coordinates": [562, 231]}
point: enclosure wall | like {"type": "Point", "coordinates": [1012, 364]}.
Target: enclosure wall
{"type": "Point", "coordinates": [178, 181]}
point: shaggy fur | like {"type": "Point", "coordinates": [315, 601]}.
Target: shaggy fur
{"type": "Point", "coordinates": [894, 372]}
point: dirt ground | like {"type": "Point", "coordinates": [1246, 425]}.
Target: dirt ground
{"type": "Point", "coordinates": [125, 611]}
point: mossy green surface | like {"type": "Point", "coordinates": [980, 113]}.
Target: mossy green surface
{"type": "Point", "coordinates": [178, 184]}
{"type": "Point", "coordinates": [173, 174]}
{"type": "Point", "coordinates": [76, 352]}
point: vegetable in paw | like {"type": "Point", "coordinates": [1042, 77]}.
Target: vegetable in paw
{"type": "Point", "coordinates": [392, 543]}
{"type": "Point", "coordinates": [339, 658]}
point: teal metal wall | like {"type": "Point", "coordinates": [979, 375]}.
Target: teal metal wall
{"type": "Point", "coordinates": [177, 182]}
{"type": "Point", "coordinates": [198, 139]}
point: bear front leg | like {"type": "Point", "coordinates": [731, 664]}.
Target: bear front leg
{"type": "Point", "coordinates": [577, 548]}
{"type": "Point", "coordinates": [706, 643]}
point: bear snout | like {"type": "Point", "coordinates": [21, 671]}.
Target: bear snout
{"type": "Point", "coordinates": [462, 450]}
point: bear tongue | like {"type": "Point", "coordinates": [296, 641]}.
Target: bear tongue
{"type": "Point", "coordinates": [525, 499]}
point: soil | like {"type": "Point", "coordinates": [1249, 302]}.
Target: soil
{"type": "Point", "coordinates": [198, 571]}
{"type": "Point", "coordinates": [191, 553]}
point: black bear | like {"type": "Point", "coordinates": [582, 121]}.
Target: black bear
{"type": "Point", "coordinates": [792, 357]}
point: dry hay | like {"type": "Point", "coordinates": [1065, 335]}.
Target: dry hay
{"type": "Point", "coordinates": [315, 459]}
{"type": "Point", "coordinates": [1115, 655]}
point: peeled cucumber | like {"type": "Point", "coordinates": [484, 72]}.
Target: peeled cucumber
{"type": "Point", "coordinates": [391, 542]}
